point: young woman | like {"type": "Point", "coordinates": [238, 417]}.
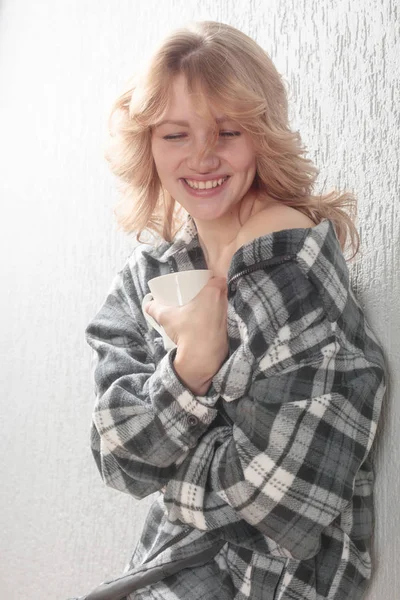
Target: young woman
{"type": "Point", "coordinates": [255, 431]}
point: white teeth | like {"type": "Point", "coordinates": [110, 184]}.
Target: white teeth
{"type": "Point", "coordinates": [205, 185]}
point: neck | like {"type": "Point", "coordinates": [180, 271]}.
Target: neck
{"type": "Point", "coordinates": [218, 237]}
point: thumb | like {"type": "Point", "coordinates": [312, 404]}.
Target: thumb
{"type": "Point", "coordinates": [150, 308]}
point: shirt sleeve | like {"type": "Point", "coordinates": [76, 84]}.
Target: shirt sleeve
{"type": "Point", "coordinates": [145, 421]}
{"type": "Point", "coordinates": [305, 393]}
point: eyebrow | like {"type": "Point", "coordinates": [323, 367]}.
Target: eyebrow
{"type": "Point", "coordinates": [185, 123]}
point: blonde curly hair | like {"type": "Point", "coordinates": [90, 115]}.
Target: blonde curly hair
{"type": "Point", "coordinates": [226, 68]}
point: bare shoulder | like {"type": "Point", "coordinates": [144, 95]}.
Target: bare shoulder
{"type": "Point", "coordinates": [276, 217]}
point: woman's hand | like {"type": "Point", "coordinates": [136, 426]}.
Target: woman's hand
{"type": "Point", "coordinates": [199, 329]}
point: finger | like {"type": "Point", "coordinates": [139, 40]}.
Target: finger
{"type": "Point", "coordinates": [157, 311]}
{"type": "Point", "coordinates": [151, 308]}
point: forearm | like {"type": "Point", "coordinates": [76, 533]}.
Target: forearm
{"type": "Point", "coordinates": [145, 419]}
{"type": "Point", "coordinates": [152, 418]}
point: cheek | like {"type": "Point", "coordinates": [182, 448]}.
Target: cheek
{"type": "Point", "coordinates": [165, 159]}
{"type": "Point", "coordinates": [251, 162]}
{"type": "Point", "coordinates": [242, 158]}
{"type": "Point", "coordinates": [243, 163]}
{"type": "Point", "coordinates": [161, 162]}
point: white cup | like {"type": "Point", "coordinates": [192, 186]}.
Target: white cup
{"type": "Point", "coordinates": [174, 289]}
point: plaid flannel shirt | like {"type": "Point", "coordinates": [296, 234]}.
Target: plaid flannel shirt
{"type": "Point", "coordinates": [265, 483]}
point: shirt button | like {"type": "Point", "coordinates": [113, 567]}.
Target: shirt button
{"type": "Point", "coordinates": [192, 420]}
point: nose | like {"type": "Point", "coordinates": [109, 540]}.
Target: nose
{"type": "Point", "coordinates": [202, 159]}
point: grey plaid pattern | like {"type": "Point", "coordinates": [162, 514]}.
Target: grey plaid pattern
{"type": "Point", "coordinates": [268, 475]}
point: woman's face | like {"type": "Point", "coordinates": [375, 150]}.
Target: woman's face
{"type": "Point", "coordinates": [176, 147]}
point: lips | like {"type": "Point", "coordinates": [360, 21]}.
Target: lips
{"type": "Point", "coordinates": [205, 192]}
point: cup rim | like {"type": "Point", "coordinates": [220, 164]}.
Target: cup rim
{"type": "Point", "coordinates": [180, 272]}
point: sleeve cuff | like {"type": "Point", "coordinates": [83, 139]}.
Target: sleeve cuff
{"type": "Point", "coordinates": [183, 415]}
{"type": "Point", "coordinates": [208, 400]}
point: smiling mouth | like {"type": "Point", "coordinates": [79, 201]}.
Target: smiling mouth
{"type": "Point", "coordinates": [205, 185]}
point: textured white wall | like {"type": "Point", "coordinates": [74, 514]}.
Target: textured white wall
{"type": "Point", "coordinates": [61, 65]}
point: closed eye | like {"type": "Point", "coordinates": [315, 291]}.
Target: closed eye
{"type": "Point", "coordinates": [179, 136]}
{"type": "Point", "coordinates": [230, 133]}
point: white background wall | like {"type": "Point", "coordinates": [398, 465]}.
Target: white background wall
{"type": "Point", "coordinates": [61, 66]}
